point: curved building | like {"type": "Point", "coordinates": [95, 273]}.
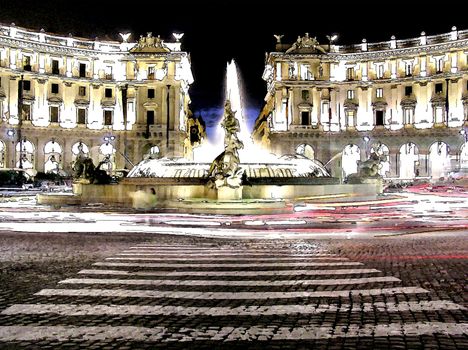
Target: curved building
{"type": "Point", "coordinates": [114, 101]}
{"type": "Point", "coordinates": [406, 99]}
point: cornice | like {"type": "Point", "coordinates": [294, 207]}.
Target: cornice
{"type": "Point", "coordinates": [51, 48]}
{"type": "Point", "coordinates": [376, 55]}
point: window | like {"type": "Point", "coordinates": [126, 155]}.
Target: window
{"type": "Point", "coordinates": [81, 116]}
{"type": "Point", "coordinates": [82, 91]}
{"type": "Point", "coordinates": [107, 117]}
{"type": "Point", "coordinates": [151, 72]}
{"type": "Point", "coordinates": [350, 94]}
{"type": "Point", "coordinates": [82, 70]}
{"type": "Point", "coordinates": [408, 115]}
{"type": "Point", "coordinates": [54, 88]}
{"type": "Point", "coordinates": [54, 114]}
{"type": "Point", "coordinates": [439, 65]}
{"type": "Point", "coordinates": [350, 116]}
{"type": "Point", "coordinates": [408, 69]}
{"type": "Point", "coordinates": [439, 115]}
{"type": "Point", "coordinates": [408, 90]}
{"type": "Point", "coordinates": [26, 112]}
{"type": "Point", "coordinates": [108, 93]}
{"type": "Point", "coordinates": [150, 117]}
{"type": "Point", "coordinates": [379, 93]}
{"type": "Point", "coordinates": [350, 73]}
{"type": "Point", "coordinates": [26, 85]}
{"type": "Point", "coordinates": [305, 118]}
{"type": "Point", "coordinates": [380, 71]}
{"type": "Point", "coordinates": [27, 63]}
{"type": "Point", "coordinates": [379, 118]}
{"type": "Point", "coordinates": [108, 72]}
{"type": "Point", "coordinates": [439, 88]}
{"type": "Point", "coordinates": [305, 95]}
{"type": "Point", "coordinates": [150, 93]}
{"type": "Point", "coordinates": [55, 67]}
{"type": "Point", "coordinates": [305, 72]}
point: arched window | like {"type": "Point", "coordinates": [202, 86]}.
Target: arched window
{"type": "Point", "coordinates": [409, 161]}
{"type": "Point", "coordinates": [25, 152]}
{"type": "Point", "coordinates": [439, 160]}
{"type": "Point", "coordinates": [349, 159]}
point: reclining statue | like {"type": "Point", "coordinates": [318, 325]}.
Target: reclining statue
{"type": "Point", "coordinates": [371, 166]}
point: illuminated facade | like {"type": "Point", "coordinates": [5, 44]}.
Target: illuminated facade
{"type": "Point", "coordinates": [407, 99]}
{"type": "Point", "coordinates": [111, 100]}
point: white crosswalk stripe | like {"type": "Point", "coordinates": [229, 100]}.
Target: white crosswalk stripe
{"type": "Point", "coordinates": [227, 253]}
{"type": "Point", "coordinates": [298, 282]}
{"type": "Point", "coordinates": [153, 334]}
{"type": "Point", "coordinates": [128, 293]}
{"type": "Point", "coordinates": [178, 265]}
{"type": "Point", "coordinates": [231, 273]}
{"type": "Point", "coordinates": [220, 259]}
{"type": "Point", "coordinates": [287, 309]}
{"type": "Point", "coordinates": [164, 276]}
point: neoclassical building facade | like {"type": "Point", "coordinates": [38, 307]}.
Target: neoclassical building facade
{"type": "Point", "coordinates": [406, 99]}
{"type": "Point", "coordinates": [115, 101]}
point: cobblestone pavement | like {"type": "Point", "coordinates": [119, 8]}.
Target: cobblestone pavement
{"type": "Point", "coordinates": [116, 291]}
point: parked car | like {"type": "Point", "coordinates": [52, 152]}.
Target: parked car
{"type": "Point", "coordinates": [16, 178]}
{"type": "Point", "coordinates": [458, 174]}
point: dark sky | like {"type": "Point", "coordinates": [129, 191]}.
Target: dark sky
{"type": "Point", "coordinates": [217, 31]}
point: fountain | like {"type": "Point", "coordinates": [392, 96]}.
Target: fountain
{"type": "Point", "coordinates": [243, 178]}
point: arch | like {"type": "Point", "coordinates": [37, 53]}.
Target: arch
{"type": "Point", "coordinates": [464, 155]}
{"type": "Point", "coordinates": [107, 157]}
{"type": "Point", "coordinates": [439, 160]}
{"type": "Point", "coordinates": [2, 154]}
{"type": "Point", "coordinates": [52, 165]}
{"type": "Point", "coordinates": [382, 149]}
{"type": "Point", "coordinates": [52, 147]}
{"type": "Point", "coordinates": [306, 150]}
{"type": "Point", "coordinates": [350, 157]}
{"type": "Point", "coordinates": [106, 149]}
{"type": "Point", "coordinates": [409, 161]}
{"type": "Point", "coordinates": [76, 148]}
{"type": "Point", "coordinates": [53, 157]}
{"type": "Point", "coordinates": [26, 150]}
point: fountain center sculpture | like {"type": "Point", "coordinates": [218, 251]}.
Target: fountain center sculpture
{"type": "Point", "coordinates": [225, 169]}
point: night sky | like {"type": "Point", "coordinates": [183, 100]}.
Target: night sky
{"type": "Point", "coordinates": [217, 31]}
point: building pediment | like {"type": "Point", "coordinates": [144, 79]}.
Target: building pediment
{"type": "Point", "coordinates": [408, 102]}
{"type": "Point", "coordinates": [465, 99]}
{"type": "Point", "coordinates": [438, 99]}
{"type": "Point", "coordinates": [81, 102]}
{"type": "Point", "coordinates": [108, 103]}
{"type": "Point", "coordinates": [380, 103]}
{"type": "Point", "coordinates": [305, 105]}
{"type": "Point", "coordinates": [150, 44]}
{"type": "Point", "coordinates": [54, 100]}
{"type": "Point", "coordinates": [150, 105]}
{"type": "Point", "coordinates": [351, 104]}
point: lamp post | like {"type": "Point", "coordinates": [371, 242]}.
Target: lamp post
{"type": "Point", "coordinates": [331, 38]}
{"type": "Point", "coordinates": [366, 142]}
{"type": "Point", "coordinates": [167, 118]}
{"type": "Point", "coordinates": [20, 121]}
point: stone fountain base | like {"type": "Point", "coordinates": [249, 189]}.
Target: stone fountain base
{"type": "Point", "coordinates": [193, 195]}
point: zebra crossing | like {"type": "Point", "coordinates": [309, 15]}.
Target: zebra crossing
{"type": "Point", "coordinates": [157, 293]}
